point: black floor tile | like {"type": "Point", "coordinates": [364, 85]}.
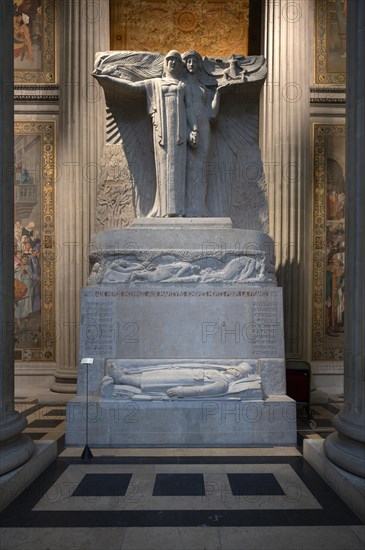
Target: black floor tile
{"type": "Point", "coordinates": [102, 485]}
{"type": "Point", "coordinates": [61, 413]}
{"type": "Point", "coordinates": [176, 485]}
{"type": "Point", "coordinates": [61, 441]}
{"type": "Point", "coordinates": [333, 511]}
{"type": "Point", "coordinates": [45, 423]}
{"type": "Point", "coordinates": [254, 484]}
{"type": "Point", "coordinates": [333, 408]}
{"type": "Point", "coordinates": [323, 423]}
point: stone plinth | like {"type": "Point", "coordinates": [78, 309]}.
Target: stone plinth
{"type": "Point", "coordinates": [186, 322]}
{"type": "Point", "coordinates": [167, 292]}
{"type": "Point", "coordinates": [182, 423]}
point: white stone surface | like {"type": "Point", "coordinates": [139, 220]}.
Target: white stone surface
{"type": "Point", "coordinates": [163, 380]}
{"type": "Point", "coordinates": [190, 423]}
{"type": "Point", "coordinates": [192, 322]}
{"type": "Point", "coordinates": [145, 321]}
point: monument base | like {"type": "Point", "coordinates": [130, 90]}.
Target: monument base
{"type": "Point", "coordinates": [182, 423]}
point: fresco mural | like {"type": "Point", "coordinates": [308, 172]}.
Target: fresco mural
{"type": "Point", "coordinates": [34, 41]}
{"type": "Point", "coordinates": [329, 242]}
{"type": "Point", "coordinates": [330, 55]}
{"type": "Point", "coordinates": [34, 241]}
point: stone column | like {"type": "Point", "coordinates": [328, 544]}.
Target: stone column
{"type": "Point", "coordinates": [84, 30]}
{"type": "Point", "coordinates": [346, 447]}
{"type": "Point", "coordinates": [15, 448]}
{"type": "Point", "coordinates": [285, 144]}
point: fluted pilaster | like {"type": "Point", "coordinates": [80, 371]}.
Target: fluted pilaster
{"type": "Point", "coordinates": [285, 143]}
{"type": "Point", "coordinates": [84, 30]}
{"type": "Point", "coordinates": [346, 447]}
{"type": "Point", "coordinates": [15, 448]}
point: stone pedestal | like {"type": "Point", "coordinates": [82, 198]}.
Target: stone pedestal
{"type": "Point", "coordinates": [182, 423]}
{"type": "Point", "coordinates": [346, 448]}
{"type": "Point", "coordinates": [169, 292]}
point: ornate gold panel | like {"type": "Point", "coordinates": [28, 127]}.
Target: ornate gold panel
{"type": "Point", "coordinates": [328, 242]}
{"type": "Point", "coordinates": [330, 42]}
{"type": "Point", "coordinates": [34, 241]}
{"type": "Point", "coordinates": [211, 27]}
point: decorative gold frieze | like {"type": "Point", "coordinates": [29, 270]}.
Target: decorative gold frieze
{"type": "Point", "coordinates": [211, 27]}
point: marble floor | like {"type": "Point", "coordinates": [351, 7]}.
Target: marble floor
{"type": "Point", "coordinates": [210, 499]}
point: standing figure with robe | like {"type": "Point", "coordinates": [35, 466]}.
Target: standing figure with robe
{"type": "Point", "coordinates": [171, 110]}
{"type": "Point", "coordinates": [206, 108]}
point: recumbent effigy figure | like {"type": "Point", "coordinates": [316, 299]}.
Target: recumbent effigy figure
{"type": "Point", "coordinates": [179, 380]}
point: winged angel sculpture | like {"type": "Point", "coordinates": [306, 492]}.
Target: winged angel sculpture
{"type": "Point", "coordinates": [202, 146]}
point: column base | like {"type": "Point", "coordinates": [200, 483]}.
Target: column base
{"type": "Point", "coordinates": [65, 381]}
{"type": "Point", "coordinates": [13, 483]}
{"type": "Point", "coordinates": [346, 453]}
{"type": "Point", "coordinates": [14, 452]}
{"type": "Point", "coordinates": [350, 488]}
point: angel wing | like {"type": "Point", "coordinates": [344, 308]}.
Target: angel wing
{"type": "Point", "coordinates": [236, 181]}
{"type": "Point", "coordinates": [129, 65]}
{"type": "Point", "coordinates": [127, 119]}
{"type": "Point", "coordinates": [251, 69]}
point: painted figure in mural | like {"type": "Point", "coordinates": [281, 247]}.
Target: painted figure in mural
{"type": "Point", "coordinates": [23, 274]}
{"type": "Point", "coordinates": [181, 380]}
{"type": "Point", "coordinates": [170, 108]}
{"type": "Point", "coordinates": [22, 41]}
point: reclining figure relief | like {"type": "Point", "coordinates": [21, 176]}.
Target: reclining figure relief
{"type": "Point", "coordinates": [192, 380]}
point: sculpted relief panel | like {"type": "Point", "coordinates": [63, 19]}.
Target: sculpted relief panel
{"type": "Point", "coordinates": [162, 25]}
{"type": "Point", "coordinates": [179, 380]}
{"type": "Point", "coordinates": [183, 130]}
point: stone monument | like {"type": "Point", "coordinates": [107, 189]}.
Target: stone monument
{"type": "Point", "coordinates": [182, 314]}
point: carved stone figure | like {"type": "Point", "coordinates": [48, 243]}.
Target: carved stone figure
{"type": "Point", "coordinates": [193, 168]}
{"type": "Point", "coordinates": [170, 107]}
{"type": "Point", "coordinates": [168, 268]}
{"type": "Point", "coordinates": [206, 110]}
{"type": "Point", "coordinates": [238, 269]}
{"type": "Point", "coordinates": [181, 380]}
